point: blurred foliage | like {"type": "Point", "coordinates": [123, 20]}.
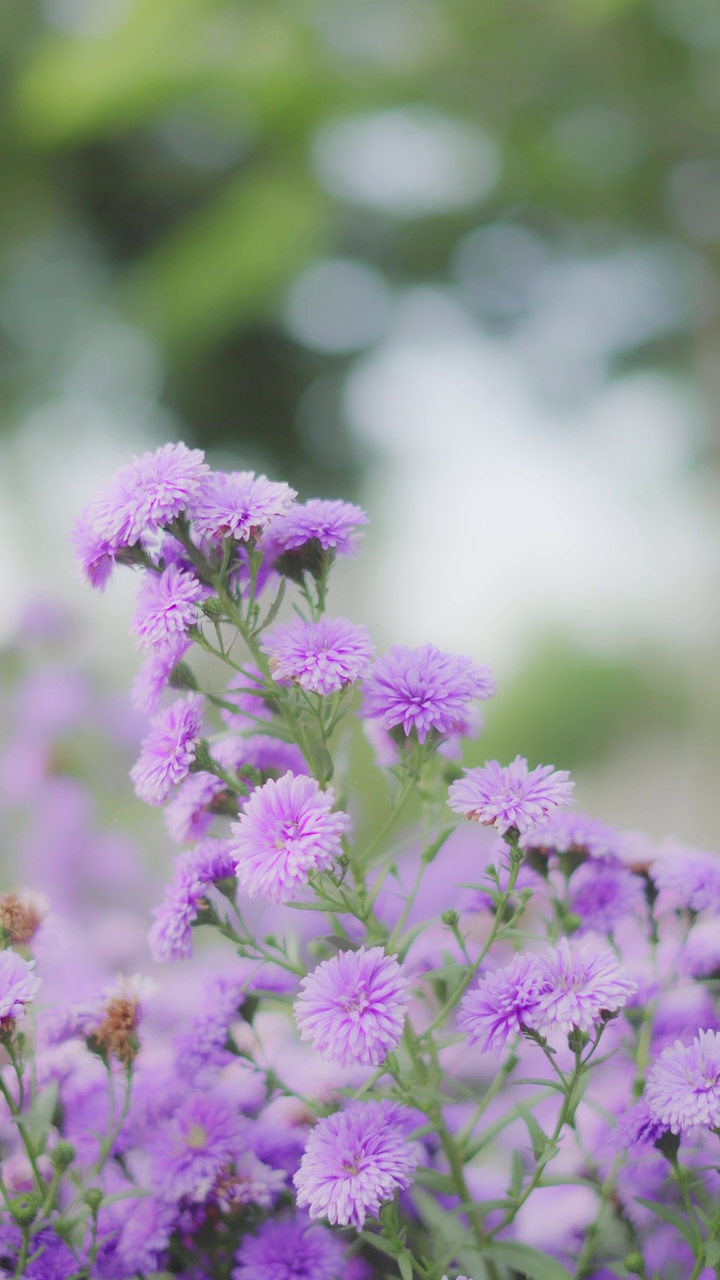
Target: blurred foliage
{"type": "Point", "coordinates": [163, 158]}
{"type": "Point", "coordinates": [570, 708]}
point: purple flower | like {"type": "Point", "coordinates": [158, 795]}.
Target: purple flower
{"type": "Point", "coordinates": [191, 1149]}
{"type": "Point", "coordinates": [187, 816]}
{"type": "Point", "coordinates": [331, 522]}
{"type": "Point", "coordinates": [353, 1006]}
{"type": "Point", "coordinates": [147, 494]}
{"type": "Point", "coordinates": [289, 1249]}
{"type": "Point", "coordinates": [94, 554]}
{"type": "Point", "coordinates": [321, 657]}
{"type": "Point", "coordinates": [166, 607]}
{"type": "Point", "coordinates": [287, 830]}
{"type": "Point", "coordinates": [238, 504]}
{"type": "Point", "coordinates": [145, 1234]}
{"type": "Point", "coordinates": [700, 956]}
{"type": "Point", "coordinates": [18, 985]}
{"type": "Point", "coordinates": [603, 893]}
{"type": "Point", "coordinates": [510, 797]}
{"type": "Point", "coordinates": [204, 1042]}
{"type": "Point", "coordinates": [573, 833]}
{"type": "Point", "coordinates": [686, 877]}
{"type": "Point", "coordinates": [168, 751]}
{"type": "Point", "coordinates": [637, 1127]}
{"type": "Point", "coordinates": [424, 689]}
{"type": "Point", "coordinates": [154, 676]}
{"type": "Point", "coordinates": [501, 1003]}
{"type": "Point", "coordinates": [170, 935]}
{"type": "Point", "coordinates": [683, 1086]}
{"type": "Point", "coordinates": [576, 987]}
{"type": "Point", "coordinates": [354, 1161]}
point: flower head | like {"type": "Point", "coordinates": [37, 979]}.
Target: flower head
{"type": "Point", "coordinates": [190, 1150]}
{"type": "Point", "coordinates": [154, 675]}
{"type": "Point", "coordinates": [510, 797]}
{"type": "Point", "coordinates": [573, 833]}
{"type": "Point", "coordinates": [238, 504]}
{"type": "Point", "coordinates": [321, 656]}
{"type": "Point", "coordinates": [146, 494]}
{"type": "Point", "coordinates": [289, 1249]}
{"type": "Point", "coordinates": [637, 1127]}
{"type": "Point", "coordinates": [500, 1004]}
{"type": "Point", "coordinates": [188, 815]}
{"type": "Point", "coordinates": [168, 751]}
{"type": "Point", "coordinates": [354, 1161]}
{"type": "Point", "coordinates": [166, 607]}
{"type": "Point", "coordinates": [424, 689]}
{"type": "Point", "coordinates": [687, 877]}
{"type": "Point", "coordinates": [603, 893]}
{"type": "Point", "coordinates": [170, 935]}
{"type": "Point", "coordinates": [330, 522]}
{"type": "Point", "coordinates": [94, 553]}
{"type": "Point", "coordinates": [683, 1086]}
{"type": "Point", "coordinates": [353, 1006]}
{"type": "Point", "coordinates": [18, 986]}
{"type": "Point", "coordinates": [577, 987]}
{"type": "Point", "coordinates": [287, 829]}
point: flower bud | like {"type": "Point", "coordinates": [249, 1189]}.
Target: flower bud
{"type": "Point", "coordinates": [62, 1155]}
{"type": "Point", "coordinates": [25, 1209]}
{"type": "Point", "coordinates": [93, 1198]}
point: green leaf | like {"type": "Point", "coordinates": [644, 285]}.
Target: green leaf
{"type": "Point", "coordinates": [318, 756]}
{"type": "Point", "coordinates": [433, 849]}
{"type": "Point", "coordinates": [517, 1175]}
{"type": "Point", "coordinates": [538, 1138]}
{"type": "Point", "coordinates": [529, 1262]}
{"type": "Point", "coordinates": [37, 1120]}
{"type": "Point", "coordinates": [274, 609]}
{"type": "Point", "coordinates": [405, 1264]}
{"type": "Point", "coordinates": [666, 1214]}
{"type": "Point", "coordinates": [712, 1253]}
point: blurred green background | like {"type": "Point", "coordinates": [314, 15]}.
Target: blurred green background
{"type": "Point", "coordinates": [457, 260]}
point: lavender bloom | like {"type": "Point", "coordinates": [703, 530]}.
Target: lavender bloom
{"type": "Point", "coordinates": [353, 1006]}
{"type": "Point", "coordinates": [638, 1127]}
{"type": "Point", "coordinates": [154, 676]}
{"type": "Point", "coordinates": [683, 1086]}
{"type": "Point", "coordinates": [170, 936]}
{"type": "Point", "coordinates": [510, 797]}
{"type": "Point", "coordinates": [573, 833]}
{"type": "Point", "coordinates": [18, 986]}
{"type": "Point", "coordinates": [145, 1235]}
{"type": "Point", "coordinates": [146, 494]}
{"type": "Point", "coordinates": [94, 554]}
{"type": "Point", "coordinates": [271, 755]}
{"type": "Point", "coordinates": [687, 877]}
{"type": "Point", "coordinates": [168, 751]}
{"type": "Point", "coordinates": [238, 504]}
{"type": "Point", "coordinates": [190, 1150]}
{"type": "Point", "coordinates": [287, 829]}
{"type": "Point", "coordinates": [252, 1182]}
{"type": "Point", "coordinates": [203, 1043]}
{"type": "Point", "coordinates": [330, 522]}
{"type": "Point", "coordinates": [603, 893]}
{"type": "Point", "coordinates": [501, 1003]}
{"type": "Point", "coordinates": [187, 815]}
{"type": "Point", "coordinates": [577, 987]}
{"type": "Point", "coordinates": [166, 607]}
{"type": "Point", "coordinates": [289, 1249]}
{"type": "Point", "coordinates": [322, 657]}
{"type": "Point", "coordinates": [700, 956]}
{"type": "Point", "coordinates": [424, 689]}
{"type": "Point", "coordinates": [354, 1161]}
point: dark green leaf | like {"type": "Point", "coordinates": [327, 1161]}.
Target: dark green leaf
{"type": "Point", "coordinates": [527, 1261]}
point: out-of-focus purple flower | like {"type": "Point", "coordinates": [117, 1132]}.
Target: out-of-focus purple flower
{"type": "Point", "coordinates": [510, 797]}
{"type": "Point", "coordinates": [353, 1006]}
{"type": "Point", "coordinates": [700, 956]}
{"type": "Point", "coordinates": [190, 1150]}
{"type": "Point", "coordinates": [187, 816]}
{"type": "Point", "coordinates": [686, 877]}
{"type": "Point", "coordinates": [573, 833]}
{"type": "Point", "coordinates": [170, 935]}
{"type": "Point", "coordinates": [331, 522]}
{"type": "Point", "coordinates": [321, 657]}
{"type": "Point", "coordinates": [424, 689]}
{"type": "Point", "coordinates": [94, 553]}
{"type": "Point", "coordinates": [246, 694]}
{"type": "Point", "coordinates": [145, 1234]}
{"type": "Point", "coordinates": [203, 1043]}
{"type": "Point", "coordinates": [289, 1249]}
{"type": "Point", "coordinates": [18, 986]}
{"type": "Point", "coordinates": [251, 1182]}
{"type": "Point", "coordinates": [269, 755]}
{"type": "Point", "coordinates": [354, 1161]}
{"type": "Point", "coordinates": [146, 494]}
{"type": "Point", "coordinates": [603, 893]}
{"type": "Point", "coordinates": [501, 1003]}
{"type": "Point", "coordinates": [238, 504]}
{"type": "Point", "coordinates": [154, 676]}
{"type": "Point", "coordinates": [166, 607]}
{"type": "Point", "coordinates": [168, 751]}
{"type": "Point", "coordinates": [637, 1127]}
{"type": "Point", "coordinates": [51, 1258]}
{"type": "Point", "coordinates": [577, 987]}
{"type": "Point", "coordinates": [683, 1086]}
{"type": "Point", "coordinates": [287, 829]}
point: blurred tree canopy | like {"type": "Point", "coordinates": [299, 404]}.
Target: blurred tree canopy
{"type": "Point", "coordinates": [178, 164]}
